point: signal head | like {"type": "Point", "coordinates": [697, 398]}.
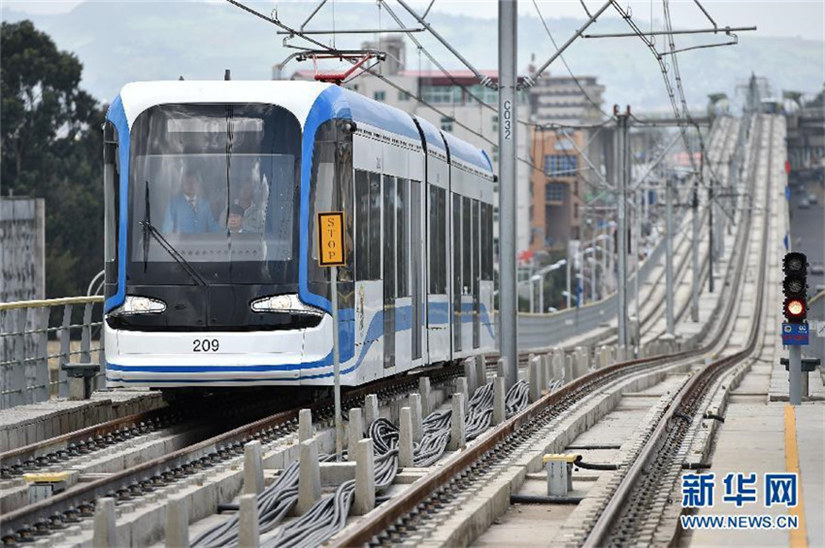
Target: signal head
{"type": "Point", "coordinates": [795, 310]}
{"type": "Point", "coordinates": [795, 263]}
{"type": "Point", "coordinates": [795, 286]}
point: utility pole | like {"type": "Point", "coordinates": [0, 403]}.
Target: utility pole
{"type": "Point", "coordinates": [637, 229]}
{"type": "Point", "coordinates": [669, 256]}
{"type": "Point", "coordinates": [507, 109]}
{"type": "Point", "coordinates": [694, 303]}
{"type": "Point", "coordinates": [710, 224]}
{"type": "Point", "coordinates": [622, 159]}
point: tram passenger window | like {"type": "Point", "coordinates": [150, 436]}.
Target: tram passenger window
{"type": "Point", "coordinates": [477, 243]}
{"type": "Point", "coordinates": [402, 209]}
{"type": "Point", "coordinates": [438, 240]}
{"type": "Point", "coordinates": [362, 225]}
{"type": "Point", "coordinates": [466, 247]}
{"type": "Point", "coordinates": [486, 242]}
{"type": "Point", "coordinates": [375, 227]}
{"type": "Point", "coordinates": [433, 222]}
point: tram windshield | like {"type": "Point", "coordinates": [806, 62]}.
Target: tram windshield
{"type": "Point", "coordinates": [214, 189]}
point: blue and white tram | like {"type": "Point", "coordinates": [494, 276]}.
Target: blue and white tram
{"type": "Point", "coordinates": [212, 280]}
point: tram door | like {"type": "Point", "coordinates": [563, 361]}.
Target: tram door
{"type": "Point", "coordinates": [388, 271]}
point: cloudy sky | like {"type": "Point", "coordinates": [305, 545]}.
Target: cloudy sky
{"type": "Point", "coordinates": [805, 19]}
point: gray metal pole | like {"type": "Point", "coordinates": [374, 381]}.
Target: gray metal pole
{"type": "Point", "coordinates": [593, 278]}
{"type": "Point", "coordinates": [339, 426]}
{"type": "Point", "coordinates": [508, 110]}
{"type": "Point", "coordinates": [580, 279]}
{"type": "Point", "coordinates": [694, 302]}
{"type": "Point", "coordinates": [621, 227]}
{"type": "Point", "coordinates": [795, 373]}
{"type": "Point", "coordinates": [669, 257]}
{"type": "Point", "coordinates": [637, 229]}
{"type": "Point", "coordinates": [541, 294]}
{"type": "Point", "coordinates": [569, 261]}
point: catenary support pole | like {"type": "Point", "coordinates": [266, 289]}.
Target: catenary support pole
{"type": "Point", "coordinates": [669, 257]}
{"type": "Point", "coordinates": [711, 248]}
{"type": "Point", "coordinates": [508, 114]}
{"type": "Point", "coordinates": [637, 246]}
{"type": "Point", "coordinates": [621, 226]}
{"type": "Point", "coordinates": [694, 302]}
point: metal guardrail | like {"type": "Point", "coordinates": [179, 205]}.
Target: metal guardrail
{"type": "Point", "coordinates": [30, 370]}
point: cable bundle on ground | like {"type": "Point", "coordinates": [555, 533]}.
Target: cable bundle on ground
{"type": "Point", "coordinates": [329, 515]}
{"type": "Point", "coordinates": [435, 431]}
{"type": "Point", "coordinates": [324, 519]}
{"type": "Point", "coordinates": [517, 398]}
{"type": "Point", "coordinates": [274, 503]}
{"type": "Point", "coordinates": [384, 436]}
{"type": "Point", "coordinates": [480, 412]}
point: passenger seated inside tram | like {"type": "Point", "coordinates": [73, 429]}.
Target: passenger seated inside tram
{"type": "Point", "coordinates": [189, 211]}
{"type": "Point", "coordinates": [253, 213]}
{"type": "Point", "coordinates": [235, 220]}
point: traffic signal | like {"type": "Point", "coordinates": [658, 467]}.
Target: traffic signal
{"type": "Point", "coordinates": [795, 287]}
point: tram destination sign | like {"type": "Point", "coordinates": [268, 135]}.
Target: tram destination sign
{"type": "Point", "coordinates": [795, 334]}
{"type": "Point", "coordinates": [331, 248]}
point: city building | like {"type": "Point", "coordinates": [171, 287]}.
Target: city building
{"type": "Point", "coordinates": [566, 100]}
{"type": "Point", "coordinates": [557, 188]}
{"type": "Point", "coordinates": [569, 158]}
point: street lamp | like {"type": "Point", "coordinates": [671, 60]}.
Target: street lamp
{"type": "Point", "coordinates": [539, 277]}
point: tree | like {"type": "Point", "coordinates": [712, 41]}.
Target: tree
{"type": "Point", "coordinates": [51, 142]}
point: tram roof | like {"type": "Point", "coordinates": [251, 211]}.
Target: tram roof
{"type": "Point", "coordinates": [307, 100]}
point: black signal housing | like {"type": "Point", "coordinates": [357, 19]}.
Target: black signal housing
{"type": "Point", "coordinates": [795, 287]}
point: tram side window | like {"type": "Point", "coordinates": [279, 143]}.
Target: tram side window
{"type": "Point", "coordinates": [438, 240]}
{"type": "Point", "coordinates": [362, 223]}
{"type": "Point", "coordinates": [402, 210]}
{"type": "Point", "coordinates": [111, 185]}
{"type": "Point", "coordinates": [466, 247]}
{"type": "Point", "coordinates": [368, 225]}
{"type": "Point", "coordinates": [330, 190]}
{"type": "Point", "coordinates": [375, 226]}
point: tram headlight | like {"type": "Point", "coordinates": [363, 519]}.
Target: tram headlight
{"type": "Point", "coordinates": [284, 303]}
{"type": "Point", "coordinates": [141, 305]}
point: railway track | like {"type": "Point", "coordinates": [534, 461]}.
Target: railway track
{"type": "Point", "coordinates": [397, 520]}
{"type": "Point", "coordinates": [627, 511]}
{"type": "Point", "coordinates": [40, 519]}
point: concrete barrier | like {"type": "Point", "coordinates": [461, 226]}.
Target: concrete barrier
{"type": "Point", "coordinates": [364, 499]}
{"type": "Point", "coordinates": [309, 477]}
{"type": "Point", "coordinates": [253, 468]}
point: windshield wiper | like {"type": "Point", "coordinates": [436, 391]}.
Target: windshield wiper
{"type": "Point", "coordinates": [149, 228]}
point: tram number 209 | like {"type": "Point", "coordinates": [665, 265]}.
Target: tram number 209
{"type": "Point", "coordinates": [205, 345]}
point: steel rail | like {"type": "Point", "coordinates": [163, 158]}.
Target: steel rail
{"type": "Point", "coordinates": [190, 459]}
{"type": "Point", "coordinates": [38, 449]}
{"type": "Point", "coordinates": [371, 525]}
{"type": "Point", "coordinates": [690, 392]}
